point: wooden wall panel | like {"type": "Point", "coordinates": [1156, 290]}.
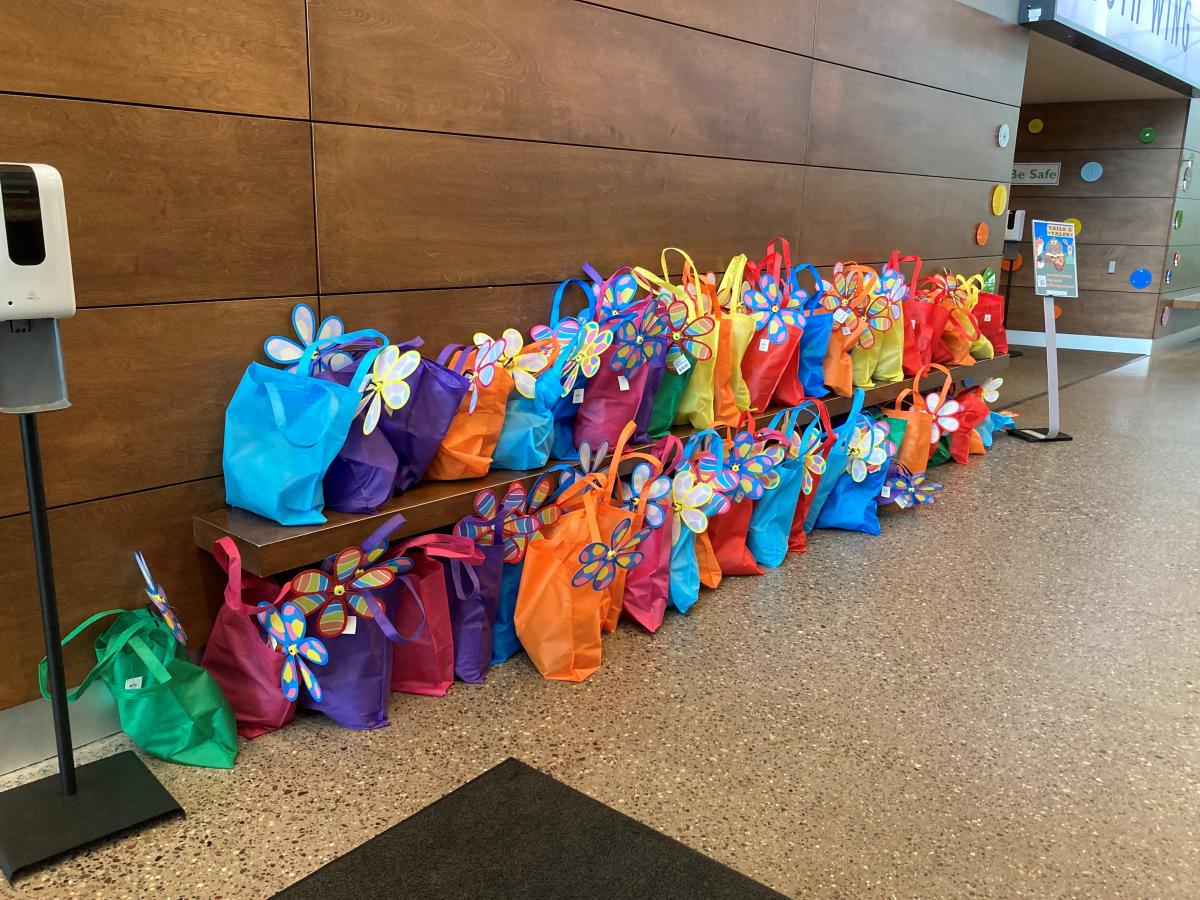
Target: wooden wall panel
{"type": "Point", "coordinates": [935, 42]}
{"type": "Point", "coordinates": [168, 205]}
{"type": "Point", "coordinates": [1127, 221]}
{"type": "Point", "coordinates": [1145, 172]}
{"type": "Point", "coordinates": [492, 67]}
{"type": "Point", "coordinates": [1189, 232]}
{"type": "Point", "coordinates": [864, 215]}
{"type": "Point", "coordinates": [239, 55]}
{"type": "Point", "coordinates": [1103, 126]}
{"type": "Point", "coordinates": [94, 570]}
{"type": "Point", "coordinates": [786, 24]}
{"type": "Point", "coordinates": [1093, 267]}
{"type": "Point", "coordinates": [1106, 313]}
{"type": "Point", "coordinates": [395, 210]}
{"type": "Point", "coordinates": [148, 388]}
{"type": "Point", "coordinates": [866, 121]}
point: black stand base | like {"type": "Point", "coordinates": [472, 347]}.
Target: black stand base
{"type": "Point", "coordinates": [1015, 354]}
{"type": "Point", "coordinates": [1038, 436]}
{"type": "Point", "coordinates": [39, 823]}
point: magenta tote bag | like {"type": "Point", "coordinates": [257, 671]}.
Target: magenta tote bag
{"type": "Point", "coordinates": [237, 656]}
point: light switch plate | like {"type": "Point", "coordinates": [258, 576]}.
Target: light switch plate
{"type": "Point", "coordinates": [1112, 267]}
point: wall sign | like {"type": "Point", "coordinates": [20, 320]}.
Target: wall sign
{"type": "Point", "coordinates": [1161, 36]}
{"type": "Point", "coordinates": [1044, 174]}
{"type": "Point", "coordinates": [1054, 263]}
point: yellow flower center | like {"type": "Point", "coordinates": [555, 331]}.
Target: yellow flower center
{"type": "Point", "coordinates": [339, 590]}
{"type": "Point", "coordinates": [774, 307]}
{"type": "Point", "coordinates": [676, 335]}
{"type": "Point", "coordinates": [639, 340]}
{"type": "Point", "coordinates": [611, 554]}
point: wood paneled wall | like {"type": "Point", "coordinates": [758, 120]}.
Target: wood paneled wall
{"type": "Point", "coordinates": [1125, 215]}
{"type": "Point", "coordinates": [1185, 240]}
{"type": "Point", "coordinates": [432, 167]}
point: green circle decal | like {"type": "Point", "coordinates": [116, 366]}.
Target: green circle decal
{"type": "Point", "coordinates": [1147, 135]}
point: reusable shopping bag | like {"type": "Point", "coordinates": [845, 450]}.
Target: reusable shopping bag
{"type": "Point", "coordinates": [282, 430]}
{"type": "Point", "coordinates": [237, 656]}
{"type": "Point", "coordinates": [879, 356]}
{"type": "Point", "coordinates": [912, 427]}
{"type": "Point", "coordinates": [693, 501]}
{"type": "Point", "coordinates": [527, 436]}
{"type": "Point", "coordinates": [972, 410]}
{"type": "Point", "coordinates": [814, 341]}
{"type": "Point", "coordinates": [770, 528]}
{"type": "Point", "coordinates": [989, 313]}
{"type": "Point", "coordinates": [698, 402]}
{"type": "Point", "coordinates": [836, 459]}
{"type": "Point", "coordinates": [581, 343]}
{"type": "Point", "coordinates": [798, 302]}
{"type": "Point", "coordinates": [736, 331]}
{"type": "Point", "coordinates": [416, 429]}
{"type": "Point", "coordinates": [952, 343]}
{"type": "Point", "coordinates": [425, 664]}
{"type": "Point", "coordinates": [778, 315]}
{"type": "Point", "coordinates": [639, 340]}
{"type": "Point", "coordinates": [170, 707]}
{"type": "Point", "coordinates": [473, 592]}
{"type": "Point", "coordinates": [466, 451]}
{"type": "Point", "coordinates": [847, 295]}
{"type": "Point", "coordinates": [749, 473]}
{"type": "Point", "coordinates": [356, 681]}
{"type": "Point", "coordinates": [706, 562]}
{"type": "Point", "coordinates": [996, 421]}
{"type": "Point", "coordinates": [689, 325]}
{"type": "Point", "coordinates": [647, 586]}
{"type": "Point", "coordinates": [811, 449]}
{"type": "Point", "coordinates": [851, 505]}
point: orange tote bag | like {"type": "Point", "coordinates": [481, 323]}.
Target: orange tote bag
{"type": "Point", "coordinates": [466, 451]}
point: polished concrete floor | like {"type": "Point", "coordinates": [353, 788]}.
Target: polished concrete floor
{"type": "Point", "coordinates": [999, 697]}
{"type": "Point", "coordinates": [1026, 375]}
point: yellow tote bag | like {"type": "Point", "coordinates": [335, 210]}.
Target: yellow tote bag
{"type": "Point", "coordinates": [981, 347]}
{"type": "Point", "coordinates": [740, 333]}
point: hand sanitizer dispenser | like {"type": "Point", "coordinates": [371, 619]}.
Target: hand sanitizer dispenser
{"type": "Point", "coordinates": [36, 287]}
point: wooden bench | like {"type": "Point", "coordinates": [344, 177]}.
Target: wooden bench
{"type": "Point", "coordinates": [268, 548]}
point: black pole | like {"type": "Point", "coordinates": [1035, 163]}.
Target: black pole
{"type": "Point", "coordinates": [35, 486]}
{"type": "Point", "coordinates": [1008, 290]}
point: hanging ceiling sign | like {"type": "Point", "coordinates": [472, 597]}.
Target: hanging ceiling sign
{"type": "Point", "coordinates": [1157, 39]}
{"type": "Point", "coordinates": [1046, 174]}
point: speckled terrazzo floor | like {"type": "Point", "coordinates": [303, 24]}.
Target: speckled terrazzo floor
{"type": "Point", "coordinates": [1026, 374]}
{"type": "Point", "coordinates": [997, 698]}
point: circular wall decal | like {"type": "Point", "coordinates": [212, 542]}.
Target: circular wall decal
{"type": "Point", "coordinates": [1170, 276]}
{"type": "Point", "coordinates": [1078, 225]}
{"type": "Point", "coordinates": [1011, 265]}
{"type": "Point", "coordinates": [1147, 135]}
{"type": "Point", "coordinates": [1178, 223]}
{"type": "Point", "coordinates": [999, 199]}
{"type": "Point", "coordinates": [1091, 172]}
{"type": "Point", "coordinates": [1141, 279]}
{"type": "Point", "coordinates": [1057, 310]}
{"type": "Point", "coordinates": [1035, 126]}
{"type": "Point", "coordinates": [981, 233]}
{"type": "Point", "coordinates": [1178, 258]}
{"type": "Point", "coordinates": [1185, 177]}
{"type": "Point", "coordinates": [1003, 135]}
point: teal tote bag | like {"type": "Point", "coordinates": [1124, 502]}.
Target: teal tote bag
{"type": "Point", "coordinates": [835, 463]}
{"type": "Point", "coordinates": [771, 522]}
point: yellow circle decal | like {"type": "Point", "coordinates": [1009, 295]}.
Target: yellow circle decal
{"type": "Point", "coordinates": [1036, 126]}
{"type": "Point", "coordinates": [999, 200]}
{"type": "Point", "coordinates": [1078, 225]}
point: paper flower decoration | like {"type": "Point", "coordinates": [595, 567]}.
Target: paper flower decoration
{"type": "Point", "coordinates": [601, 561]}
{"type": "Point", "coordinates": [483, 371]}
{"type": "Point", "coordinates": [991, 390]}
{"type": "Point", "coordinates": [524, 515]}
{"type": "Point", "coordinates": [808, 445]}
{"type": "Point", "coordinates": [158, 599]}
{"type": "Point", "coordinates": [284, 351]}
{"type": "Point", "coordinates": [688, 499]}
{"type": "Point", "coordinates": [870, 450]}
{"type": "Point", "coordinates": [639, 342]}
{"type": "Point", "coordinates": [349, 581]}
{"type": "Point", "coordinates": [773, 311]}
{"type": "Point", "coordinates": [387, 385]}
{"type": "Point", "coordinates": [684, 334]}
{"type": "Point", "coordinates": [753, 466]}
{"type": "Point", "coordinates": [522, 367]}
{"type": "Point", "coordinates": [913, 490]}
{"type": "Point", "coordinates": [944, 416]}
{"type": "Point", "coordinates": [286, 626]}
{"type": "Point", "coordinates": [644, 491]}
{"type": "Point", "coordinates": [892, 285]}
{"type": "Point", "coordinates": [586, 358]}
{"type": "Point", "coordinates": [616, 295]}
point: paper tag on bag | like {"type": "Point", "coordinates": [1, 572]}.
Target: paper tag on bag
{"type": "Point", "coordinates": [681, 365]}
{"type": "Point", "coordinates": [764, 345]}
{"type": "Point", "coordinates": [987, 317]}
{"type": "Point", "coordinates": [841, 315]}
{"type": "Point", "coordinates": [577, 397]}
{"type": "Point", "coordinates": [351, 625]}
{"type": "Point", "coordinates": [133, 684]}
{"type": "Point", "coordinates": [886, 493]}
{"type": "Point", "coordinates": [622, 383]}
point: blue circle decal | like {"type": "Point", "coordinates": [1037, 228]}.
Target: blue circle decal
{"type": "Point", "coordinates": [1141, 279]}
{"type": "Point", "coordinates": [1091, 172]}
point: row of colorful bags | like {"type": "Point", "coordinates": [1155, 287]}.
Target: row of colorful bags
{"type": "Point", "coordinates": [545, 569]}
{"type": "Point", "coordinates": [352, 419]}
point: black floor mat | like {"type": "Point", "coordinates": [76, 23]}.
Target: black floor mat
{"type": "Point", "coordinates": [515, 832]}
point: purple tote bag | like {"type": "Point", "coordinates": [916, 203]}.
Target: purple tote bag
{"type": "Point", "coordinates": [474, 596]}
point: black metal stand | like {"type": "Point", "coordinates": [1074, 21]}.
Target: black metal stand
{"type": "Point", "coordinates": [1038, 435]}
{"type": "Point", "coordinates": [61, 813]}
{"type": "Point", "coordinates": [1015, 251]}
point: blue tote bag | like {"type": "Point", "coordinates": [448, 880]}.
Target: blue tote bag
{"type": "Point", "coordinates": [527, 438]}
{"type": "Point", "coordinates": [771, 522]}
{"type": "Point", "coordinates": [814, 342]}
{"type": "Point", "coordinates": [698, 501]}
{"type": "Point", "coordinates": [835, 462]}
{"type": "Point", "coordinates": [565, 405]}
{"type": "Point", "coordinates": [282, 430]}
{"type": "Point", "coordinates": [851, 504]}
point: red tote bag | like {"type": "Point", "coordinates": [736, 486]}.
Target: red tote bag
{"type": "Point", "coordinates": [812, 473]}
{"type": "Point", "coordinates": [989, 313]}
{"type": "Point", "coordinates": [774, 348]}
{"type": "Point", "coordinates": [647, 586]}
{"type": "Point", "coordinates": [237, 656]}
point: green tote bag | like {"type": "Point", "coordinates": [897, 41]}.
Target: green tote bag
{"type": "Point", "coordinates": [169, 706]}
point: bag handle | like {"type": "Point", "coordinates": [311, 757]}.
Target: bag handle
{"type": "Point", "coordinates": [380, 616]}
{"type": "Point", "coordinates": [814, 298]}
{"type": "Point", "coordinates": [731, 284]}
{"type": "Point", "coordinates": [822, 413]}
{"type": "Point", "coordinates": [669, 452]}
{"type": "Point", "coordinates": [332, 344]}
{"type": "Point", "coordinates": [947, 385]}
{"type": "Point", "coordinates": [589, 312]}
{"type": "Point", "coordinates": [715, 443]}
{"type": "Point", "coordinates": [279, 414]}
{"type": "Point", "coordinates": [895, 264]}
{"type": "Point", "coordinates": [229, 558]}
{"type": "Point", "coordinates": [157, 670]}
{"type": "Point", "coordinates": [383, 533]}
{"type": "Point", "coordinates": [443, 546]}
{"type": "Point", "coordinates": [846, 430]}
{"type": "Point", "coordinates": [459, 365]}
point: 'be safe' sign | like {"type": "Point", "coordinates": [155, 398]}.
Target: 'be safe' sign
{"type": "Point", "coordinates": [1036, 173]}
